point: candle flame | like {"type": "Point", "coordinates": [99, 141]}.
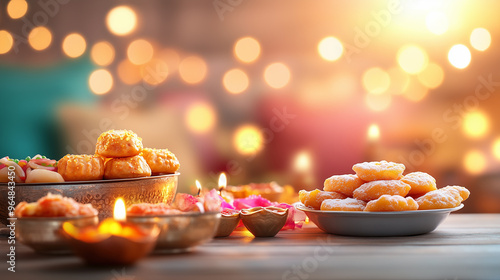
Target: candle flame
{"type": "Point", "coordinates": [222, 181]}
{"type": "Point", "coordinates": [198, 187]}
{"type": "Point", "coordinates": [302, 161]}
{"type": "Point", "coordinates": [120, 213]}
{"type": "Point", "coordinates": [373, 132]}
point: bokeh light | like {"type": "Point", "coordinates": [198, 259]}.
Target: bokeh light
{"type": "Point", "coordinates": [121, 20]}
{"type": "Point", "coordinates": [100, 81]}
{"type": "Point", "coordinates": [140, 51]}
{"type": "Point", "coordinates": [17, 8]}
{"type": "Point", "coordinates": [247, 49]}
{"type": "Point", "coordinates": [378, 102]}
{"type": "Point", "coordinates": [302, 161]}
{"type": "Point", "coordinates": [330, 48]}
{"type": "Point", "coordinates": [277, 75]}
{"type": "Point", "coordinates": [480, 39]}
{"type": "Point", "coordinates": [129, 73]}
{"type": "Point", "coordinates": [415, 91]}
{"type": "Point", "coordinates": [102, 53]}
{"type": "Point", "coordinates": [496, 148]}
{"type": "Point", "coordinates": [201, 117]}
{"type": "Point", "coordinates": [248, 140]}
{"type": "Point", "coordinates": [476, 124]}
{"type": "Point", "coordinates": [475, 162]}
{"type": "Point", "coordinates": [40, 38]}
{"type": "Point", "coordinates": [373, 132]}
{"type": "Point", "coordinates": [154, 72]}
{"type": "Point", "coordinates": [399, 80]}
{"type": "Point", "coordinates": [432, 76]}
{"type": "Point", "coordinates": [436, 22]}
{"type": "Point", "coordinates": [459, 56]}
{"type": "Point", "coordinates": [74, 45]}
{"type": "Point", "coordinates": [193, 69]}
{"type": "Point", "coordinates": [6, 41]}
{"type": "Point", "coordinates": [235, 81]}
{"type": "Point", "coordinates": [376, 80]}
{"type": "Point", "coordinates": [412, 59]}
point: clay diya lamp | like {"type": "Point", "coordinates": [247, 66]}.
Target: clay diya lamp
{"type": "Point", "coordinates": [264, 221]}
{"type": "Point", "coordinates": [228, 222]}
{"type": "Point", "coordinates": [114, 241]}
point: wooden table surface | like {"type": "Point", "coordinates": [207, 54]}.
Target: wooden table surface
{"type": "Point", "coordinates": [464, 246]}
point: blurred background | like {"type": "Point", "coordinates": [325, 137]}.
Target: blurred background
{"type": "Point", "coordinates": [290, 91]}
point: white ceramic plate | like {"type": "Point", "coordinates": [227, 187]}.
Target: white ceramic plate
{"type": "Point", "coordinates": [400, 223]}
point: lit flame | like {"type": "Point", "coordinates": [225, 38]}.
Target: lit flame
{"type": "Point", "coordinates": [373, 132]}
{"type": "Point", "coordinates": [198, 187]}
{"type": "Point", "coordinates": [120, 213]}
{"type": "Point", "coordinates": [222, 181]}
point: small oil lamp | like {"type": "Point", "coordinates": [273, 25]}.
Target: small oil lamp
{"type": "Point", "coordinates": [114, 241]}
{"type": "Point", "coordinates": [229, 217]}
{"type": "Point", "coordinates": [264, 221]}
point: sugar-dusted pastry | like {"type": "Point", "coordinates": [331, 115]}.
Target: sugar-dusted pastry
{"type": "Point", "coordinates": [160, 160]}
{"type": "Point", "coordinates": [375, 189]}
{"type": "Point", "coordinates": [118, 143]}
{"type": "Point", "coordinates": [345, 184]}
{"type": "Point", "coordinates": [126, 167]}
{"type": "Point", "coordinates": [388, 203]}
{"type": "Point", "coordinates": [347, 204]}
{"type": "Point", "coordinates": [314, 198]}
{"type": "Point", "coordinates": [420, 183]}
{"type": "Point", "coordinates": [379, 170]}
{"type": "Point", "coordinates": [81, 167]}
{"type": "Point", "coordinates": [447, 197]}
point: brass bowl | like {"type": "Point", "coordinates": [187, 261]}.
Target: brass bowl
{"type": "Point", "coordinates": [181, 232]}
{"type": "Point", "coordinates": [114, 250]}
{"type": "Point", "coordinates": [264, 221]}
{"type": "Point", "coordinates": [227, 224]}
{"type": "Point", "coordinates": [102, 194]}
{"type": "Point", "coordinates": [45, 235]}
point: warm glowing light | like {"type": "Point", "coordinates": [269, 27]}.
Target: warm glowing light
{"type": "Point", "coordinates": [100, 81]}
{"type": "Point", "coordinates": [193, 69]}
{"type": "Point", "coordinates": [277, 75]}
{"type": "Point", "coordinates": [412, 59]}
{"type": "Point", "coordinates": [496, 148]}
{"type": "Point", "coordinates": [330, 48]}
{"type": "Point", "coordinates": [17, 8]}
{"type": "Point", "coordinates": [74, 45]}
{"type": "Point", "coordinates": [248, 140]}
{"type": "Point", "coordinates": [40, 38]}
{"type": "Point", "coordinates": [432, 76]}
{"type": "Point", "coordinates": [154, 72]}
{"type": "Point", "coordinates": [302, 161]}
{"type": "Point", "coordinates": [415, 91]}
{"type": "Point", "coordinates": [235, 81]}
{"type": "Point", "coordinates": [6, 41]}
{"type": "Point", "coordinates": [247, 49]}
{"type": "Point", "coordinates": [399, 80]}
{"type": "Point", "coordinates": [140, 51]}
{"type": "Point", "coordinates": [171, 57]}
{"type": "Point", "coordinates": [376, 80]}
{"type": "Point", "coordinates": [436, 22]}
{"type": "Point", "coordinates": [459, 56]}
{"type": "Point", "coordinates": [201, 118]}
{"type": "Point", "coordinates": [476, 124]}
{"type": "Point", "coordinates": [121, 20]}
{"type": "Point", "coordinates": [120, 212]}
{"type": "Point", "coordinates": [222, 181]}
{"type": "Point", "coordinates": [198, 187]}
{"type": "Point", "coordinates": [373, 132]}
{"type": "Point", "coordinates": [129, 73]}
{"type": "Point", "coordinates": [475, 162]}
{"type": "Point", "coordinates": [102, 53]}
{"type": "Point", "coordinates": [378, 102]}
{"type": "Point", "coordinates": [480, 39]}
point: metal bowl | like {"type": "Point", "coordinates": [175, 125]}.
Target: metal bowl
{"type": "Point", "coordinates": [100, 193]}
{"type": "Point", "coordinates": [181, 232]}
{"type": "Point", "coordinates": [44, 235]}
